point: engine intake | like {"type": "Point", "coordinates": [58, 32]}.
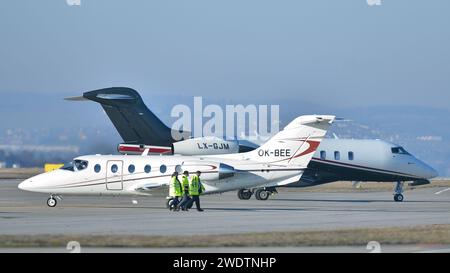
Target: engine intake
{"type": "Point", "coordinates": [226, 171]}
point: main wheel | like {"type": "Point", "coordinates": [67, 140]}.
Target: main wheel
{"type": "Point", "coordinates": [262, 194]}
{"type": "Point", "coordinates": [239, 194]}
{"type": "Point", "coordinates": [398, 198]}
{"type": "Point", "coordinates": [244, 194]}
{"type": "Point", "coordinates": [51, 202]}
{"type": "Point", "coordinates": [247, 194]}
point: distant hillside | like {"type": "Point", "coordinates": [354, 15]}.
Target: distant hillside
{"type": "Point", "coordinates": [55, 130]}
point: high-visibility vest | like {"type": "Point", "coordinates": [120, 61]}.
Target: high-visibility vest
{"type": "Point", "coordinates": [185, 182]}
{"type": "Point", "coordinates": [194, 186]}
{"type": "Point", "coordinates": [175, 187]}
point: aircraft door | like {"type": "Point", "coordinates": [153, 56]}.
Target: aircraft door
{"type": "Point", "coordinates": [114, 175]}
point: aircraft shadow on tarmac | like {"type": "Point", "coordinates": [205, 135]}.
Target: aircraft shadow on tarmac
{"type": "Point", "coordinates": [358, 201]}
{"type": "Point", "coordinates": [314, 209]}
{"type": "Point", "coordinates": [259, 209]}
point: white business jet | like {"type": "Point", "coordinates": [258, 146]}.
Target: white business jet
{"type": "Point", "coordinates": [280, 161]}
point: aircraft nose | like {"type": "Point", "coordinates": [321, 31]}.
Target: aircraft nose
{"type": "Point", "coordinates": [428, 172]}
{"type": "Point", "coordinates": [25, 185]}
{"type": "Point", "coordinates": [432, 173]}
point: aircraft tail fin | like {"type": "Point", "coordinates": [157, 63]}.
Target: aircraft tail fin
{"type": "Point", "coordinates": [135, 123]}
{"type": "Point", "coordinates": [296, 143]}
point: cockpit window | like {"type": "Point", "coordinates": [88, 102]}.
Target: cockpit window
{"type": "Point", "coordinates": [399, 150]}
{"type": "Point", "coordinates": [68, 167]}
{"type": "Point", "coordinates": [80, 165]}
{"type": "Point", "coordinates": [76, 165]}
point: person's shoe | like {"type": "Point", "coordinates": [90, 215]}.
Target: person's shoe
{"type": "Point", "coordinates": [200, 209]}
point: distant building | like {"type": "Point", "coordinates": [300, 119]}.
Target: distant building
{"type": "Point", "coordinates": [16, 165]}
{"type": "Point", "coordinates": [2, 164]}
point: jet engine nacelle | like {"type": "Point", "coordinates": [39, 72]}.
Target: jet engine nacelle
{"type": "Point", "coordinates": [210, 171]}
{"type": "Point", "coordinates": [205, 146]}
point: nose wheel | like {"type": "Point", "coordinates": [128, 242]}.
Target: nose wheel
{"type": "Point", "coordinates": [51, 202]}
{"type": "Point", "coordinates": [398, 196]}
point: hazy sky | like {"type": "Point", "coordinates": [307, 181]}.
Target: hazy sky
{"type": "Point", "coordinates": [343, 53]}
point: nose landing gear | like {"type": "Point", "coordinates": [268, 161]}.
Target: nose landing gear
{"type": "Point", "coordinates": [398, 195]}
{"type": "Point", "coordinates": [51, 202]}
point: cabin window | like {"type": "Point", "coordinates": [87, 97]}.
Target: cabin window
{"type": "Point", "coordinates": [114, 168]}
{"type": "Point", "coordinates": [97, 168]}
{"type": "Point", "coordinates": [323, 155]}
{"type": "Point", "coordinates": [337, 155]}
{"type": "Point", "coordinates": [147, 168]}
{"type": "Point", "coordinates": [131, 168]}
{"type": "Point", "coordinates": [162, 169]}
{"type": "Point", "coordinates": [178, 169]}
{"type": "Point", "coordinates": [351, 156]}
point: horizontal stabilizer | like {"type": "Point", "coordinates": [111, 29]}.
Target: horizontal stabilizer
{"type": "Point", "coordinates": [135, 123]}
{"type": "Point", "coordinates": [80, 98]}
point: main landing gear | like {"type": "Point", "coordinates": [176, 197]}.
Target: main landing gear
{"type": "Point", "coordinates": [244, 194]}
{"type": "Point", "coordinates": [398, 192]}
{"type": "Point", "coordinates": [51, 202]}
{"type": "Point", "coordinates": [260, 194]}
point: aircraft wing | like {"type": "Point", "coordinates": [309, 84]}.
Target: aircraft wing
{"type": "Point", "coordinates": [285, 182]}
{"type": "Point", "coordinates": [145, 188]}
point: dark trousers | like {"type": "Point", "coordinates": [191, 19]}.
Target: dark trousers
{"type": "Point", "coordinates": [175, 201]}
{"type": "Point", "coordinates": [196, 199]}
{"type": "Point", "coordinates": [184, 201]}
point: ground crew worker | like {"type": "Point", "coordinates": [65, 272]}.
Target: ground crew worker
{"type": "Point", "coordinates": [195, 189]}
{"type": "Point", "coordinates": [175, 191]}
{"type": "Point", "coordinates": [185, 182]}
{"type": "Point", "coordinates": [185, 187]}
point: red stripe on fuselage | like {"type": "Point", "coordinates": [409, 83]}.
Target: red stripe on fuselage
{"type": "Point", "coordinates": [140, 150]}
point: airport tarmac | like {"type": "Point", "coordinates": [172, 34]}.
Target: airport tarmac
{"type": "Point", "coordinates": [336, 249]}
{"type": "Point", "coordinates": [24, 213]}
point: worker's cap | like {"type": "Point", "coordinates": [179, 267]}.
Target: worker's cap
{"type": "Point", "coordinates": [175, 173]}
{"type": "Point", "coordinates": [198, 172]}
{"type": "Point", "coordinates": [186, 172]}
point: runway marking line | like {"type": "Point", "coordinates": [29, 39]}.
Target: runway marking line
{"type": "Point", "coordinates": [439, 192]}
